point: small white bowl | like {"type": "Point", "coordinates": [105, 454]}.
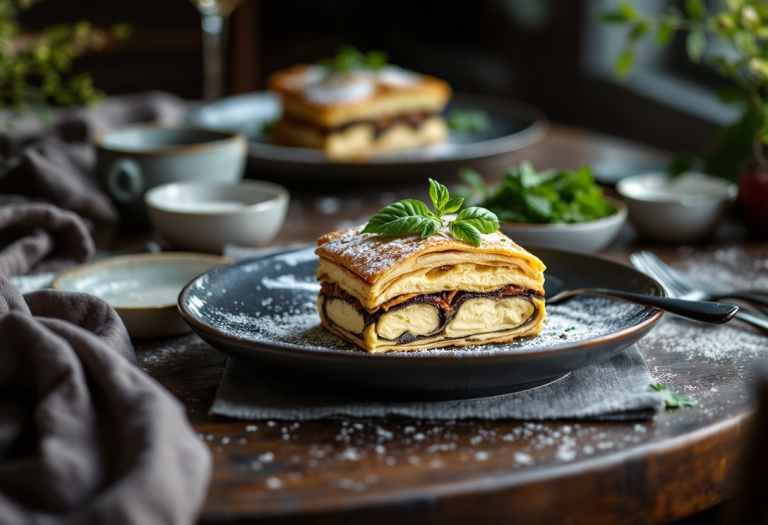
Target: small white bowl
{"type": "Point", "coordinates": [204, 216]}
{"type": "Point", "coordinates": [680, 210]}
{"type": "Point", "coordinates": [143, 289]}
{"type": "Point", "coordinates": [591, 236]}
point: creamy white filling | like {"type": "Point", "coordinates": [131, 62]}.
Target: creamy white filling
{"type": "Point", "coordinates": [482, 314]}
{"type": "Point", "coordinates": [416, 319]}
{"type": "Point", "coordinates": [344, 315]}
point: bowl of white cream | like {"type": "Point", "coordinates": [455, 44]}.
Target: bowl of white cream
{"type": "Point", "coordinates": [204, 216]}
{"type": "Point", "coordinates": [681, 209]}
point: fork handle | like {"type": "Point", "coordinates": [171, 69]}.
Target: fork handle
{"type": "Point", "coordinates": [756, 298]}
{"type": "Point", "coordinates": [753, 319]}
{"type": "Point", "coordinates": [705, 311]}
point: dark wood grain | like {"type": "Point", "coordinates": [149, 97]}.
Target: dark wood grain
{"type": "Point", "coordinates": [475, 471]}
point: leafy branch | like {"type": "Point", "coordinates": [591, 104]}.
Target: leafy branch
{"type": "Point", "coordinates": [34, 69]}
{"type": "Point", "coordinates": [743, 26]}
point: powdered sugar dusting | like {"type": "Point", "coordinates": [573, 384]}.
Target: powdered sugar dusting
{"type": "Point", "coordinates": [370, 255]}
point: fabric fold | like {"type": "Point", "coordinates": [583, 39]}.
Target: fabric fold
{"type": "Point", "coordinates": [38, 237]}
{"type": "Point", "coordinates": [85, 436]}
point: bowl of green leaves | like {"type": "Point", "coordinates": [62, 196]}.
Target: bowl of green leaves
{"type": "Point", "coordinates": [559, 208]}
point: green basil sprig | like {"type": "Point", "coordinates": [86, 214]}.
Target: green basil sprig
{"type": "Point", "coordinates": [673, 399]}
{"type": "Point", "coordinates": [410, 216]}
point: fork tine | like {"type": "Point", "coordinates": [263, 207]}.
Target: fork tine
{"type": "Point", "coordinates": [644, 265]}
{"type": "Point", "coordinates": [673, 275]}
{"type": "Point", "coordinates": [657, 270]}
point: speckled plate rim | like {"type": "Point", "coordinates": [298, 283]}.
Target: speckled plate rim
{"type": "Point", "coordinates": [137, 257]}
{"type": "Point", "coordinates": [199, 327]}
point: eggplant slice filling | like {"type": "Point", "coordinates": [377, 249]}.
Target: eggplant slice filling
{"type": "Point", "coordinates": [427, 316]}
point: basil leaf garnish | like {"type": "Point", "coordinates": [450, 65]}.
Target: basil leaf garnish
{"type": "Point", "coordinates": [408, 217]}
{"type": "Point", "coordinates": [480, 218]}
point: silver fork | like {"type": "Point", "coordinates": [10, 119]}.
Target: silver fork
{"type": "Point", "coordinates": [678, 287]}
{"type": "Point", "coordinates": [694, 290]}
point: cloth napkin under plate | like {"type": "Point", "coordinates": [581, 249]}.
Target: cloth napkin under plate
{"type": "Point", "coordinates": [616, 389]}
{"type": "Point", "coordinates": [85, 436]}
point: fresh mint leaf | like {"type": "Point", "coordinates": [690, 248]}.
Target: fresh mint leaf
{"type": "Point", "coordinates": [268, 127]}
{"type": "Point", "coordinates": [469, 121]}
{"type": "Point", "coordinates": [466, 232]}
{"type": "Point", "coordinates": [673, 399]}
{"type": "Point", "coordinates": [376, 59]}
{"type": "Point", "coordinates": [453, 205]}
{"type": "Point", "coordinates": [439, 195]}
{"type": "Point", "coordinates": [549, 197]}
{"type": "Point", "coordinates": [408, 217]}
{"type": "Point", "coordinates": [349, 58]}
{"type": "Point", "coordinates": [474, 180]}
{"type": "Point", "coordinates": [430, 227]}
{"type": "Point", "coordinates": [479, 218]}
{"type": "Point", "coordinates": [403, 218]}
{"type": "Point", "coordinates": [680, 164]}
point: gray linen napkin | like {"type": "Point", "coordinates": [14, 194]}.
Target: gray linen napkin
{"type": "Point", "coordinates": [37, 238]}
{"type": "Point", "coordinates": [85, 436]}
{"type": "Point", "coordinates": [616, 389]}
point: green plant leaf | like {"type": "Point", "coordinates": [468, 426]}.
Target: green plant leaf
{"type": "Point", "coordinates": [680, 164]}
{"type": "Point", "coordinates": [612, 17]}
{"type": "Point", "coordinates": [664, 34]}
{"type": "Point", "coordinates": [408, 217]}
{"type": "Point", "coordinates": [624, 63]}
{"type": "Point", "coordinates": [732, 94]}
{"type": "Point", "coordinates": [402, 218]}
{"type": "Point", "coordinates": [439, 195]}
{"type": "Point", "coordinates": [671, 398]}
{"type": "Point", "coordinates": [466, 232]}
{"type": "Point", "coordinates": [483, 220]}
{"type": "Point", "coordinates": [474, 179]}
{"type": "Point", "coordinates": [639, 30]}
{"type": "Point", "coordinates": [376, 59]}
{"type": "Point", "coordinates": [628, 11]}
{"type": "Point", "coordinates": [430, 227]}
{"type": "Point", "coordinates": [469, 121]}
{"type": "Point", "coordinates": [453, 205]}
{"type": "Point", "coordinates": [759, 67]}
{"type": "Point", "coordinates": [695, 44]}
{"type": "Point", "coordinates": [695, 9]}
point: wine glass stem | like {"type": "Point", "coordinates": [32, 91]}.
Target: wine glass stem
{"type": "Point", "coordinates": [214, 55]}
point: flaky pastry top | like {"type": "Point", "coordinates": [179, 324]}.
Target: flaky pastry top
{"type": "Point", "coordinates": [372, 256]}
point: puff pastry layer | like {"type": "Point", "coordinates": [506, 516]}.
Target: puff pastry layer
{"type": "Point", "coordinates": [389, 294]}
{"type": "Point", "coordinates": [358, 113]}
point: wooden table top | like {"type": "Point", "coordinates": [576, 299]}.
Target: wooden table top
{"type": "Point", "coordinates": [484, 471]}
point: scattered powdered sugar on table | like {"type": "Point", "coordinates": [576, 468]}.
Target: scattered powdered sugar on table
{"type": "Point", "coordinates": [732, 267]}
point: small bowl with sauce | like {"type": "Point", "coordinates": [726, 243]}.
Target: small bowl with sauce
{"type": "Point", "coordinates": [204, 216]}
{"type": "Point", "coordinates": [680, 210]}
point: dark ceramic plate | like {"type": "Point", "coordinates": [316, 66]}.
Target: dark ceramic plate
{"type": "Point", "coordinates": [513, 126]}
{"type": "Point", "coordinates": [263, 311]}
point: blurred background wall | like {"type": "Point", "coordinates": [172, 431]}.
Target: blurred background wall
{"type": "Point", "coordinates": [550, 53]}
